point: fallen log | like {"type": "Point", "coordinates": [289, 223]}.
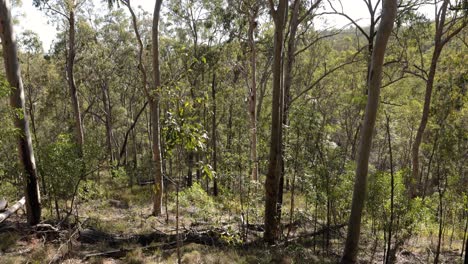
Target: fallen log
{"type": "Point", "coordinates": [147, 241]}
{"type": "Point", "coordinates": [91, 236]}
{"type": "Point", "coordinates": [116, 253]}
{"type": "Point", "coordinates": [210, 237]}
{"type": "Point", "coordinates": [11, 210]}
{"type": "Point", "coordinates": [145, 182]}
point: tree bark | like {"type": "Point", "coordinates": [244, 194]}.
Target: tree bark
{"type": "Point", "coordinates": [213, 127]}
{"type": "Point", "coordinates": [153, 101]}
{"type": "Point", "coordinates": [389, 11]}
{"type": "Point", "coordinates": [274, 166]}
{"type": "Point", "coordinates": [154, 106]}
{"type": "Point", "coordinates": [392, 192]}
{"type": "Point", "coordinates": [108, 120]}
{"type": "Point", "coordinates": [79, 133]}
{"type": "Point", "coordinates": [17, 101]}
{"type": "Point", "coordinates": [465, 238]}
{"type": "Point", "coordinates": [413, 189]}
{"type": "Point", "coordinates": [253, 93]}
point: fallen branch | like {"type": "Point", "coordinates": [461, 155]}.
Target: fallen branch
{"type": "Point", "coordinates": [60, 255]}
{"type": "Point", "coordinates": [116, 253]}
{"type": "Point", "coordinates": [145, 182]}
{"type": "Point", "coordinates": [45, 228]}
{"type": "Point", "coordinates": [211, 237]}
{"type": "Point", "coordinates": [11, 210]}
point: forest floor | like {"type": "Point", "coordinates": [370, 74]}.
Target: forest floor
{"type": "Point", "coordinates": [120, 229]}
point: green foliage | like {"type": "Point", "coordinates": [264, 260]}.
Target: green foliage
{"type": "Point", "coordinates": [61, 167]}
{"type": "Point", "coordinates": [91, 190]}
{"type": "Point", "coordinates": [8, 189]}
{"type": "Point", "coordinates": [197, 202]}
{"type": "Point", "coordinates": [181, 129]}
{"type": "Point", "coordinates": [231, 237]}
{"type": "Point", "coordinates": [203, 39]}
{"type": "Point", "coordinates": [119, 176]}
{"type": "Point", "coordinates": [9, 172]}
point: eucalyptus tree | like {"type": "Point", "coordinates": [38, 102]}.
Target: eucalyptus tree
{"type": "Point", "coordinates": [296, 18]}
{"type": "Point", "coordinates": [389, 12]}
{"type": "Point", "coordinates": [17, 101]}
{"type": "Point", "coordinates": [154, 96]}
{"type": "Point", "coordinates": [279, 15]}
{"type": "Point", "coordinates": [450, 19]}
{"type": "Point", "coordinates": [251, 10]}
{"type": "Point", "coordinates": [67, 9]}
{"type": "Point", "coordinates": [154, 101]}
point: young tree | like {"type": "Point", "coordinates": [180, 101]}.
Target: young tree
{"type": "Point", "coordinates": [389, 11]}
{"type": "Point", "coordinates": [17, 101]}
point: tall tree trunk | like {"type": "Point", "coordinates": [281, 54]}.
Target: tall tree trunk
{"type": "Point", "coordinates": [414, 190]}
{"type": "Point", "coordinates": [154, 106]}
{"type": "Point", "coordinates": [79, 133]}
{"type": "Point", "coordinates": [17, 101]}
{"type": "Point", "coordinates": [274, 166]}
{"type": "Point", "coordinates": [108, 120]}
{"type": "Point", "coordinates": [213, 127]}
{"type": "Point", "coordinates": [465, 238]}
{"type": "Point", "coordinates": [287, 80]}
{"type": "Point", "coordinates": [229, 129]}
{"type": "Point", "coordinates": [190, 158]}
{"type": "Point", "coordinates": [389, 11]}
{"type": "Point", "coordinates": [253, 93]}
{"type": "Point", "coordinates": [445, 31]}
{"type": "Point", "coordinates": [153, 101]}
{"type": "Point", "coordinates": [388, 258]}
{"type": "Point", "coordinates": [466, 251]}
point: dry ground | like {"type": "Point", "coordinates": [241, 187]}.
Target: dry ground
{"type": "Point", "coordinates": [129, 213]}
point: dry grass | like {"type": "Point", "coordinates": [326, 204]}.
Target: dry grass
{"type": "Point", "coordinates": [21, 246]}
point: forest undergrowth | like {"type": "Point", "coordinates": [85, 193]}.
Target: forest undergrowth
{"type": "Point", "coordinates": [118, 227]}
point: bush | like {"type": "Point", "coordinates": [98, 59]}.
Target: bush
{"type": "Point", "coordinates": [61, 167]}
{"type": "Point", "coordinates": [197, 202]}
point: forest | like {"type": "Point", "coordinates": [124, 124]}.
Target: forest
{"type": "Point", "coordinates": [234, 131]}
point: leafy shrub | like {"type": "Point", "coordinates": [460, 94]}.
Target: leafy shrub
{"type": "Point", "coordinates": [61, 167]}
{"type": "Point", "coordinates": [197, 202]}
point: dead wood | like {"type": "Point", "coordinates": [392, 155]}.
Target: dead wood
{"type": "Point", "coordinates": [45, 228]}
{"type": "Point", "coordinates": [115, 253]}
{"type": "Point", "coordinates": [64, 249]}
{"type": "Point", "coordinates": [11, 210]}
{"type": "Point", "coordinates": [145, 182]}
{"type": "Point", "coordinates": [211, 237]}
{"type": "Point", "coordinates": [151, 241]}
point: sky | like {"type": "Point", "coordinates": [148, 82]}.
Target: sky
{"type": "Point", "coordinates": [36, 20]}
